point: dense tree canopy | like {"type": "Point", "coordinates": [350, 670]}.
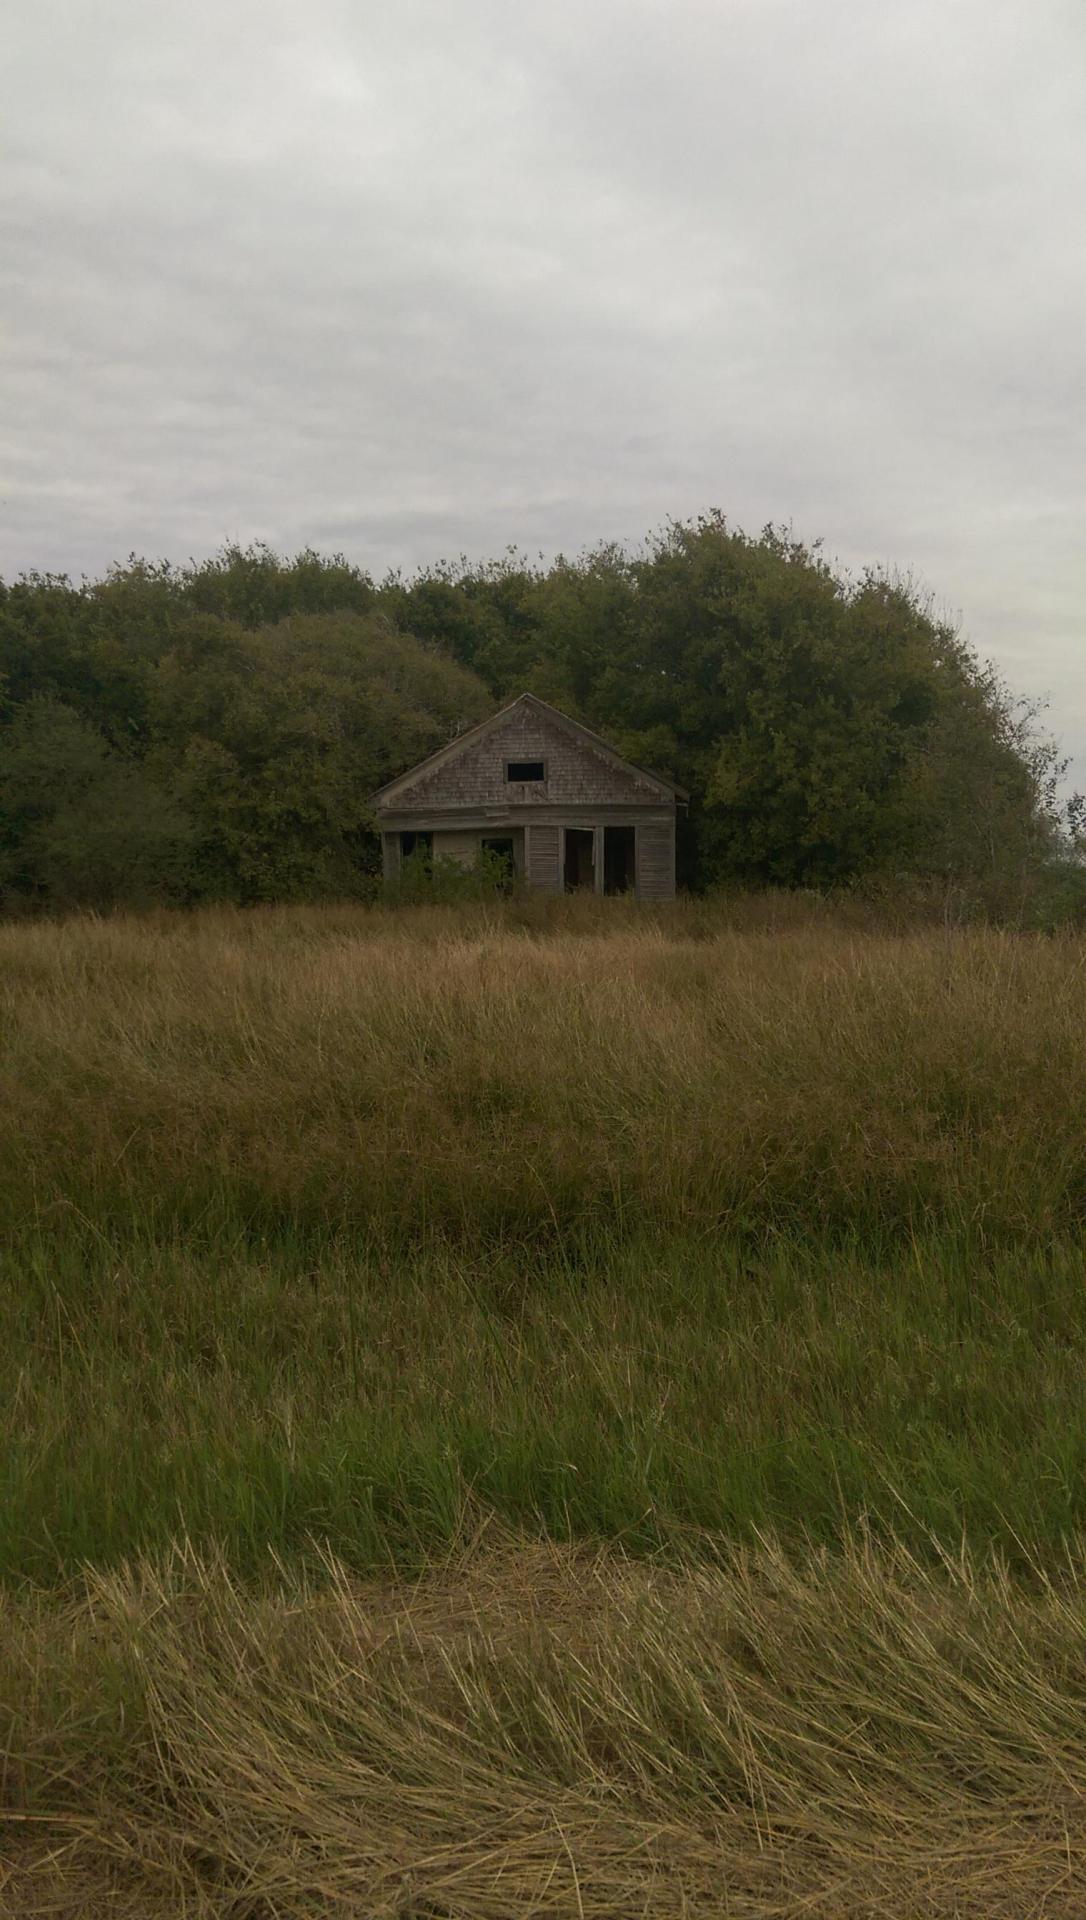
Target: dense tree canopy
{"type": "Point", "coordinates": [215, 731]}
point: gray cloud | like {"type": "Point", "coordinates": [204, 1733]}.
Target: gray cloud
{"type": "Point", "coordinates": [422, 278]}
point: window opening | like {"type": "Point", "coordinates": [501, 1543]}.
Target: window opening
{"type": "Point", "coordinates": [526, 770]}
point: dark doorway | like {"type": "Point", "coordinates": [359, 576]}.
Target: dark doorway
{"type": "Point", "coordinates": [580, 867]}
{"type": "Point", "coordinates": [618, 859]}
{"type": "Point", "coordinates": [502, 849]}
{"type": "Point", "coordinates": [416, 843]}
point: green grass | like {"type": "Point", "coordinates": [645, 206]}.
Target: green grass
{"type": "Point", "coordinates": [349, 1227]}
{"type": "Point", "coordinates": [267, 1397]}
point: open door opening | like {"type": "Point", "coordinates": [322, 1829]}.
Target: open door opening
{"type": "Point", "coordinates": [618, 859]}
{"type": "Point", "coordinates": [580, 866]}
{"type": "Point", "coordinates": [501, 847]}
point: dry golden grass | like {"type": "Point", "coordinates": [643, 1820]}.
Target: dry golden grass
{"type": "Point", "coordinates": [423, 1072]}
{"type": "Point", "coordinates": [534, 1732]}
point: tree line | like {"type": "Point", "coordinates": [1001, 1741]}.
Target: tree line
{"type": "Point", "coordinates": [214, 731]}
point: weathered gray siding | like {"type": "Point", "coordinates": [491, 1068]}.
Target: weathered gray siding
{"type": "Point", "coordinates": [459, 846]}
{"type": "Point", "coordinates": [655, 860]}
{"type": "Point", "coordinates": [543, 858]}
{"type": "Point", "coordinates": [575, 772]}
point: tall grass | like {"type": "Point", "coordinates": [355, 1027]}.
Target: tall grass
{"type": "Point", "coordinates": [267, 1398]}
{"type": "Point", "coordinates": [340, 1226]}
{"type": "Point", "coordinates": [722, 1264]}
{"type": "Point", "coordinates": [413, 1075]}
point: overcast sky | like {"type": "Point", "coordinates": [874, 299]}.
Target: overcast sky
{"type": "Point", "coordinates": [425, 277]}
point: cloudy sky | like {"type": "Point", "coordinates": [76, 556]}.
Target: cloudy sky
{"type": "Point", "coordinates": [411, 278]}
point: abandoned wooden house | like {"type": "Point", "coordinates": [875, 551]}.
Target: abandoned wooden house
{"type": "Point", "coordinates": [554, 800]}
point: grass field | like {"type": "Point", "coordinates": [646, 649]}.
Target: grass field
{"type": "Point", "coordinates": [553, 1410]}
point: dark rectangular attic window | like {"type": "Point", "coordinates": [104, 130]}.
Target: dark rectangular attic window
{"type": "Point", "coordinates": [526, 770]}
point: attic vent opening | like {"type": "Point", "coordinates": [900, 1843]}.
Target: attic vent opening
{"type": "Point", "coordinates": [526, 770]}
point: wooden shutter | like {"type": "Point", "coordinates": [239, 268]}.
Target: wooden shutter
{"type": "Point", "coordinates": [543, 869]}
{"type": "Point", "coordinates": [656, 860]}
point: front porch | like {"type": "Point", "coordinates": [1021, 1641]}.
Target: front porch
{"type": "Point", "coordinates": [555, 856]}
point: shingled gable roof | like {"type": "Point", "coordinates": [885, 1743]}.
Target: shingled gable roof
{"type": "Point", "coordinates": [530, 700]}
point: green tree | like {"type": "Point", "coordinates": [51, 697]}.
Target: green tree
{"type": "Point", "coordinates": [828, 730]}
{"type": "Point", "coordinates": [275, 740]}
{"type": "Point", "coordinates": [254, 586]}
{"type": "Point", "coordinates": [79, 825]}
